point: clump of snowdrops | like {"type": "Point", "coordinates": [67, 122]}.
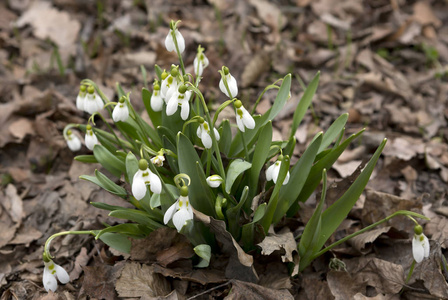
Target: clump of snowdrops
{"type": "Point", "coordinates": [186, 163]}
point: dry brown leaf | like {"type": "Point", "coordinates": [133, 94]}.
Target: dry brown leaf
{"type": "Point", "coordinates": [437, 228]}
{"type": "Point", "coordinates": [384, 276]}
{"type": "Point", "coordinates": [246, 290]}
{"type": "Point", "coordinates": [178, 251]}
{"type": "Point", "coordinates": [257, 66]}
{"type": "Point", "coordinates": [342, 285]}
{"type": "Point", "coordinates": [360, 242]}
{"type": "Point", "coordinates": [20, 128]}
{"type": "Point", "coordinates": [313, 287]}
{"type": "Point", "coordinates": [270, 14]}
{"type": "Point", "coordinates": [26, 235]}
{"type": "Point", "coordinates": [202, 276]}
{"type": "Point", "coordinates": [13, 204]}
{"type": "Point", "coordinates": [64, 34]}
{"type": "Point", "coordinates": [346, 169]}
{"type": "Point", "coordinates": [99, 280]}
{"type": "Point", "coordinates": [146, 249]}
{"type": "Point", "coordinates": [283, 241]}
{"type": "Point", "coordinates": [404, 148]}
{"type": "Point", "coordinates": [424, 14]}
{"type": "Point", "coordinates": [138, 280]}
{"type": "Point", "coordinates": [81, 261]}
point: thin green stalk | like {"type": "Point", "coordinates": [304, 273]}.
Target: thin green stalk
{"type": "Point", "coordinates": [48, 242]}
{"type": "Point", "coordinates": [112, 131]}
{"type": "Point", "coordinates": [209, 160]}
{"type": "Point", "coordinates": [272, 86]}
{"type": "Point", "coordinates": [181, 61]}
{"type": "Point", "coordinates": [398, 213]}
{"type": "Point", "coordinates": [411, 270]}
{"type": "Point", "coordinates": [246, 152]}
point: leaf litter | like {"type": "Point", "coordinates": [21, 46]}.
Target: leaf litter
{"type": "Point", "coordinates": [384, 62]}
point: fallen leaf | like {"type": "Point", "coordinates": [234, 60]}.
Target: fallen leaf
{"type": "Point", "coordinates": [25, 235]}
{"type": "Point", "coordinates": [202, 276]}
{"type": "Point", "coordinates": [283, 241]}
{"type": "Point", "coordinates": [20, 128]}
{"type": "Point", "coordinates": [246, 290]}
{"type": "Point", "coordinates": [270, 14]}
{"type": "Point", "coordinates": [360, 242]}
{"type": "Point", "coordinates": [424, 14]}
{"type": "Point", "coordinates": [437, 228]}
{"type": "Point", "coordinates": [99, 280]}
{"type": "Point", "coordinates": [146, 249]}
{"type": "Point", "coordinates": [138, 280]}
{"type": "Point", "coordinates": [240, 263]}
{"type": "Point", "coordinates": [178, 251]}
{"type": "Point", "coordinates": [258, 65]}
{"type": "Point", "coordinates": [81, 261]}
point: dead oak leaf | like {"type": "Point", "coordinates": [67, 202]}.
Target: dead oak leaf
{"type": "Point", "coordinates": [99, 281]}
{"type": "Point", "coordinates": [282, 241]}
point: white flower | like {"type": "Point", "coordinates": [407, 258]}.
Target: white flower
{"type": "Point", "coordinates": [170, 85]}
{"type": "Point", "coordinates": [93, 102]}
{"type": "Point", "coordinates": [200, 63]}
{"type": "Point", "coordinates": [158, 160]}
{"type": "Point", "coordinates": [156, 99]}
{"type": "Point", "coordinates": [273, 170]}
{"type": "Point", "coordinates": [243, 117]}
{"type": "Point", "coordinates": [143, 177]}
{"type": "Point", "coordinates": [90, 139]}
{"type": "Point", "coordinates": [169, 41]}
{"type": "Point", "coordinates": [180, 212]}
{"type": "Point", "coordinates": [73, 142]}
{"type": "Point", "coordinates": [81, 99]}
{"type": "Point", "coordinates": [420, 245]}
{"type": "Point", "coordinates": [231, 83]}
{"type": "Point", "coordinates": [181, 98]}
{"type": "Point", "coordinates": [203, 132]}
{"type": "Point", "coordinates": [51, 271]}
{"type": "Point", "coordinates": [121, 111]}
{"type": "Point", "coordinates": [214, 181]}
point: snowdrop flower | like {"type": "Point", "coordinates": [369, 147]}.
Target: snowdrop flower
{"type": "Point", "coordinates": [180, 212]}
{"type": "Point", "coordinates": [200, 62]}
{"type": "Point", "coordinates": [158, 159]}
{"type": "Point", "coordinates": [93, 102]}
{"type": "Point", "coordinates": [226, 77]}
{"type": "Point", "coordinates": [420, 244]}
{"type": "Point", "coordinates": [169, 40]}
{"type": "Point", "coordinates": [214, 181]}
{"type": "Point", "coordinates": [181, 98]}
{"type": "Point", "coordinates": [90, 139]}
{"type": "Point", "coordinates": [273, 170]}
{"type": "Point", "coordinates": [121, 111]}
{"type": "Point", "coordinates": [80, 100]}
{"type": "Point", "coordinates": [170, 85]}
{"type": "Point", "coordinates": [203, 132]}
{"type": "Point", "coordinates": [51, 271]}
{"type": "Point", "coordinates": [143, 177]}
{"type": "Point", "coordinates": [243, 117]}
{"type": "Point", "coordinates": [156, 99]}
{"type": "Point", "coordinates": [73, 141]}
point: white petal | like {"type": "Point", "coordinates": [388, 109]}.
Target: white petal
{"type": "Point", "coordinates": [62, 274]}
{"type": "Point", "coordinates": [49, 281]}
{"type": "Point", "coordinates": [169, 42]}
{"type": "Point", "coordinates": [80, 102]}
{"type": "Point", "coordinates": [239, 123]}
{"type": "Point", "coordinates": [74, 143]}
{"type": "Point", "coordinates": [286, 178]}
{"type": "Point", "coordinates": [156, 101]}
{"type": "Point", "coordinates": [426, 246]}
{"type": "Point", "coordinates": [171, 107]}
{"type": "Point", "coordinates": [417, 249]}
{"type": "Point", "coordinates": [275, 171]}
{"type": "Point", "coordinates": [91, 141]}
{"type": "Point", "coordinates": [155, 183]}
{"type": "Point", "coordinates": [138, 186]}
{"type": "Point", "coordinates": [120, 113]}
{"type": "Point", "coordinates": [217, 136]}
{"type": "Point", "coordinates": [248, 121]}
{"type": "Point", "coordinates": [199, 131]}
{"type": "Point", "coordinates": [198, 67]}
{"type": "Point", "coordinates": [233, 87]}
{"type": "Point", "coordinates": [99, 102]}
{"type": "Point", "coordinates": [222, 87]}
{"type": "Point", "coordinates": [181, 217]}
{"type": "Point", "coordinates": [170, 212]}
{"type": "Point", "coordinates": [214, 181]}
{"type": "Point", "coordinates": [269, 172]}
{"type": "Point", "coordinates": [164, 88]}
{"type": "Point", "coordinates": [180, 41]}
{"type": "Point", "coordinates": [185, 110]}
{"type": "Point", "coordinates": [206, 139]}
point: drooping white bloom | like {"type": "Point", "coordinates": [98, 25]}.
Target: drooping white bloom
{"type": "Point", "coordinates": [169, 41]}
{"type": "Point", "coordinates": [121, 111]}
{"type": "Point", "coordinates": [214, 181]}
{"type": "Point", "coordinates": [181, 98]}
{"type": "Point", "coordinates": [156, 99]}
{"type": "Point", "coordinates": [51, 271]}
{"type": "Point", "coordinates": [143, 177]}
{"type": "Point", "coordinates": [90, 138]}
{"type": "Point", "coordinates": [180, 212]}
{"type": "Point", "coordinates": [273, 170]}
{"type": "Point", "coordinates": [81, 98]}
{"type": "Point", "coordinates": [73, 142]}
{"type": "Point", "coordinates": [243, 118]}
{"type": "Point", "coordinates": [420, 245]}
{"type": "Point", "coordinates": [200, 63]}
{"type": "Point", "coordinates": [203, 132]}
{"type": "Point", "coordinates": [158, 160]}
{"type": "Point", "coordinates": [93, 102]}
{"type": "Point", "coordinates": [231, 83]}
{"type": "Point", "coordinates": [169, 88]}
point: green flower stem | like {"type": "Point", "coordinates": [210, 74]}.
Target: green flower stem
{"type": "Point", "coordinates": [48, 242]}
{"type": "Point", "coordinates": [411, 270]}
{"type": "Point", "coordinates": [398, 213]}
{"type": "Point", "coordinates": [67, 127]}
{"type": "Point", "coordinates": [136, 117]}
{"type": "Point", "coordinates": [209, 161]}
{"type": "Point", "coordinates": [246, 152]}
{"type": "Point", "coordinates": [212, 132]}
{"type": "Point", "coordinates": [181, 61]}
{"type": "Point", "coordinates": [272, 86]}
{"type": "Point", "coordinates": [164, 187]}
{"type": "Point", "coordinates": [111, 130]}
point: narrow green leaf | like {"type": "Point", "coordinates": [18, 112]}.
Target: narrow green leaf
{"type": "Point", "coordinates": [333, 131]}
{"type": "Point", "coordinates": [126, 229]}
{"type": "Point", "coordinates": [304, 103]}
{"type": "Point", "coordinates": [88, 159]}
{"type": "Point", "coordinates": [137, 216]}
{"type": "Point", "coordinates": [226, 137]}
{"type": "Point", "coordinates": [108, 160]}
{"type": "Point", "coordinates": [105, 206]}
{"type": "Point", "coordinates": [282, 96]}
{"type": "Point", "coordinates": [117, 241]}
{"type": "Point", "coordinates": [204, 251]}
{"type": "Point", "coordinates": [131, 166]}
{"type": "Point", "coordinates": [236, 167]}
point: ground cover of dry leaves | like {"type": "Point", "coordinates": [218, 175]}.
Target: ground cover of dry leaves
{"type": "Point", "coordinates": [383, 61]}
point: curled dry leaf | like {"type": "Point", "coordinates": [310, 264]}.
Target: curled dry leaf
{"type": "Point", "coordinates": [283, 241]}
{"type": "Point", "coordinates": [360, 242]}
{"type": "Point", "coordinates": [240, 264]}
{"type": "Point", "coordinates": [247, 290]}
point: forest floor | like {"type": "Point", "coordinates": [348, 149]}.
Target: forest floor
{"type": "Point", "coordinates": [382, 61]}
